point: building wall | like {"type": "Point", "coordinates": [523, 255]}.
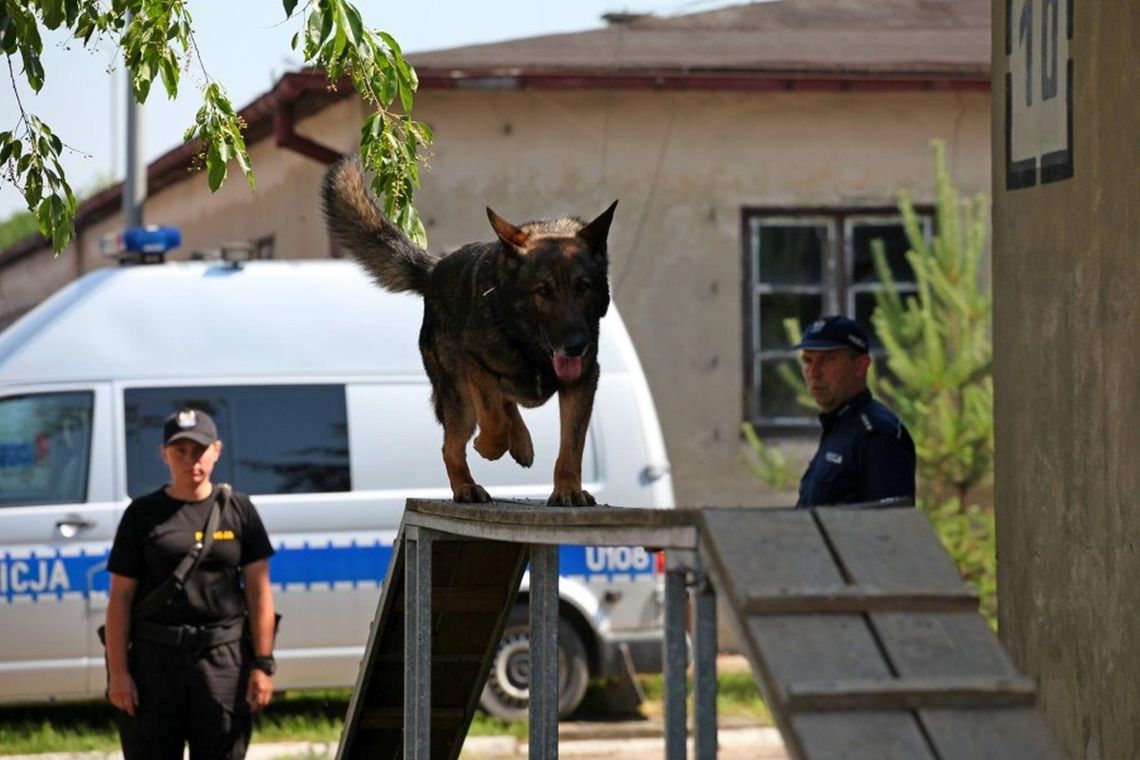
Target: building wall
{"type": "Point", "coordinates": [683, 166]}
{"type": "Point", "coordinates": [1066, 267]}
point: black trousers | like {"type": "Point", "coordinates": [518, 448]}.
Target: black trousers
{"type": "Point", "coordinates": [185, 697]}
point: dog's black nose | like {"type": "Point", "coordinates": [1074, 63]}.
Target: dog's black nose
{"type": "Point", "coordinates": [574, 344]}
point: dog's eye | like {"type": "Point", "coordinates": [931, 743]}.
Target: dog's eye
{"type": "Point", "coordinates": [544, 290]}
{"type": "Point", "coordinates": [582, 285]}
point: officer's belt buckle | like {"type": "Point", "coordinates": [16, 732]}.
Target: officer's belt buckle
{"type": "Point", "coordinates": [191, 638]}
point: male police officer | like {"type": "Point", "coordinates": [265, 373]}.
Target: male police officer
{"type": "Point", "coordinates": [865, 453]}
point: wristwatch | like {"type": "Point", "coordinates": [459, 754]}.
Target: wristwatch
{"type": "Point", "coordinates": [267, 665]}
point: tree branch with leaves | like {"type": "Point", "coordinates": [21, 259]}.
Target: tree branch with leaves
{"type": "Point", "coordinates": [157, 39]}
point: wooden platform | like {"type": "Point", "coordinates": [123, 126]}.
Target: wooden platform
{"type": "Point", "coordinates": [863, 638]}
{"type": "Point", "coordinates": [480, 552]}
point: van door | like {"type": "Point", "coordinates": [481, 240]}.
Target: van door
{"type": "Point", "coordinates": [56, 526]}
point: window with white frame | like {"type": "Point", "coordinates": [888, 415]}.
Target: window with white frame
{"type": "Point", "coordinates": [803, 264]}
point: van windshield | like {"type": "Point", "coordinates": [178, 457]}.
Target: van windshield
{"type": "Point", "coordinates": [45, 448]}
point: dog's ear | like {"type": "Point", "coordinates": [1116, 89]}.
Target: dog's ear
{"type": "Point", "coordinates": [596, 231]}
{"type": "Point", "coordinates": [512, 237]}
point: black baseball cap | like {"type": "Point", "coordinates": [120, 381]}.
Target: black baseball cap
{"type": "Point", "coordinates": [834, 331]}
{"type": "Point", "coordinates": [191, 424]}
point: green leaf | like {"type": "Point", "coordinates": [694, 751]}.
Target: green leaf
{"type": "Point", "coordinates": [52, 13]}
{"type": "Point", "coordinates": [388, 82]}
{"type": "Point", "coordinates": [170, 77]}
{"type": "Point", "coordinates": [326, 21]}
{"type": "Point", "coordinates": [216, 169]}
{"type": "Point", "coordinates": [243, 161]}
{"type": "Point", "coordinates": [355, 25]}
{"type": "Point", "coordinates": [414, 227]}
{"type": "Point", "coordinates": [33, 69]}
{"type": "Point", "coordinates": [339, 43]}
{"type": "Point", "coordinates": [289, 6]}
{"type": "Point", "coordinates": [33, 188]}
{"type": "Point", "coordinates": [390, 42]}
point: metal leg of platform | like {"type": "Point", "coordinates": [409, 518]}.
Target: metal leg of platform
{"type": "Point", "coordinates": [704, 688]}
{"type": "Point", "coordinates": [417, 644]}
{"type": "Point", "coordinates": [544, 652]}
{"type": "Point", "coordinates": [675, 658]}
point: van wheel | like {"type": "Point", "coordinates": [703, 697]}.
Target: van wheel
{"type": "Point", "coordinates": [507, 692]}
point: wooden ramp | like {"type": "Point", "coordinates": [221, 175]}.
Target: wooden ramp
{"type": "Point", "coordinates": [473, 587]}
{"type": "Point", "coordinates": [866, 642]}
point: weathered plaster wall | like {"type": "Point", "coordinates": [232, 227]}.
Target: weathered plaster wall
{"type": "Point", "coordinates": [683, 166]}
{"type": "Point", "coordinates": [1066, 267]}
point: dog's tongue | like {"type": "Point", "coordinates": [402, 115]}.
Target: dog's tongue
{"type": "Point", "coordinates": [567, 368]}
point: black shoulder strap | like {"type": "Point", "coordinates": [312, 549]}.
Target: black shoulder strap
{"type": "Point", "coordinates": [157, 599]}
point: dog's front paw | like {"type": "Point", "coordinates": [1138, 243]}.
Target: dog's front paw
{"type": "Point", "coordinates": [522, 450]}
{"type": "Point", "coordinates": [491, 447]}
{"type": "Point", "coordinates": [570, 498]}
{"type": "Point", "coordinates": [471, 494]}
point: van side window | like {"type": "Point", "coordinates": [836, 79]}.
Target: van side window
{"type": "Point", "coordinates": [45, 448]}
{"type": "Point", "coordinates": [277, 439]}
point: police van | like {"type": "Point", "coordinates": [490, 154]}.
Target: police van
{"type": "Point", "coordinates": [314, 378]}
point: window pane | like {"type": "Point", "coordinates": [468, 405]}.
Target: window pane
{"type": "Point", "coordinates": [895, 245]}
{"type": "Point", "coordinates": [45, 448]}
{"type": "Point", "coordinates": [865, 307]}
{"type": "Point", "coordinates": [775, 308]}
{"type": "Point", "coordinates": [792, 254]}
{"type": "Point", "coordinates": [276, 438]}
{"type": "Point", "coordinates": [777, 397]}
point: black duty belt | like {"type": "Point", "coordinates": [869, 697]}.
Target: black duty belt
{"type": "Point", "coordinates": [188, 637]}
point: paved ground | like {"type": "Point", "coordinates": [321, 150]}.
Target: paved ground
{"type": "Point", "coordinates": [583, 741]}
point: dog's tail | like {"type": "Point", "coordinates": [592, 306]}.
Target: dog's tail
{"type": "Point", "coordinates": [354, 221]}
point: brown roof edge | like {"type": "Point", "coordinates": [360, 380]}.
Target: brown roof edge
{"type": "Point", "coordinates": [506, 78]}
{"type": "Point", "coordinates": [173, 165]}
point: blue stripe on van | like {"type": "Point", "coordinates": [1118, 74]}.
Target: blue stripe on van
{"type": "Point", "coordinates": [326, 565]}
{"type": "Point", "coordinates": [50, 575]}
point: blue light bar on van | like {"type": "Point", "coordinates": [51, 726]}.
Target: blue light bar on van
{"type": "Point", "coordinates": [151, 239]}
{"type": "Point", "coordinates": [145, 245]}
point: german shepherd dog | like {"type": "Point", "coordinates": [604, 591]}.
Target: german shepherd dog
{"type": "Point", "coordinates": [506, 323]}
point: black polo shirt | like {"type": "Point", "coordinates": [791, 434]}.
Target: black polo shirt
{"type": "Point", "coordinates": [157, 531]}
{"type": "Point", "coordinates": [865, 454]}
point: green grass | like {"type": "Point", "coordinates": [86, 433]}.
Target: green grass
{"type": "Point", "coordinates": [736, 696]}
{"type": "Point", "coordinates": [71, 727]}
{"type": "Point", "coordinates": [312, 716]}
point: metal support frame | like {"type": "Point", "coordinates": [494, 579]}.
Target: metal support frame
{"type": "Point", "coordinates": [417, 643]}
{"type": "Point", "coordinates": [544, 650]}
{"type": "Point", "coordinates": [676, 657]}
{"type": "Point", "coordinates": [683, 571]}
{"type": "Point", "coordinates": [704, 688]}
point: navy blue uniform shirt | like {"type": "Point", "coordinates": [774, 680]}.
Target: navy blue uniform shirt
{"type": "Point", "coordinates": [865, 454]}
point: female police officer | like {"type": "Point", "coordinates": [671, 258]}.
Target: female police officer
{"type": "Point", "coordinates": [185, 673]}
